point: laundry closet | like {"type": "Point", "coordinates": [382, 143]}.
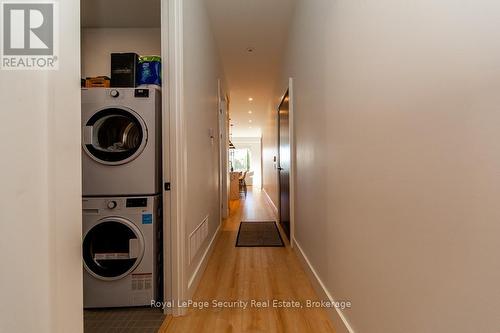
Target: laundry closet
{"type": "Point", "coordinates": [122, 160]}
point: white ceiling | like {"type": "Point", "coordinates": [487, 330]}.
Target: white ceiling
{"type": "Point", "coordinates": [121, 13]}
{"type": "Point", "coordinates": [259, 24]}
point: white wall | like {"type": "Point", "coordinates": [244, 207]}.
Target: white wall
{"type": "Point", "coordinates": [40, 195]}
{"type": "Point", "coordinates": [255, 147]}
{"type": "Point", "coordinates": [398, 158]}
{"type": "Point", "coordinates": [99, 43]}
{"type": "Point", "coordinates": [201, 73]}
{"type": "Point", "coordinates": [269, 152]}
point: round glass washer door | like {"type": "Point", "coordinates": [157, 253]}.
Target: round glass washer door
{"type": "Point", "coordinates": [114, 136]}
{"type": "Point", "coordinates": [112, 249]}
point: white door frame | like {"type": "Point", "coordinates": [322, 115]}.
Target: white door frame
{"type": "Point", "coordinates": [175, 155]}
{"type": "Point", "coordinates": [292, 161]}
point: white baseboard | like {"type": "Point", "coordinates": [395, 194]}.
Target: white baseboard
{"type": "Point", "coordinates": [195, 278]}
{"type": "Point", "coordinates": [340, 322]}
{"type": "Point", "coordinates": [273, 206]}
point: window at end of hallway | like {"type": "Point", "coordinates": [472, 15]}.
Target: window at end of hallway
{"type": "Point", "coordinates": [239, 159]}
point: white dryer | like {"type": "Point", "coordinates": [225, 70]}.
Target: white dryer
{"type": "Point", "coordinates": [120, 251]}
{"type": "Point", "coordinates": [121, 141]}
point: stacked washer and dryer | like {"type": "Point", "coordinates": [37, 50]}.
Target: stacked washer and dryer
{"type": "Point", "coordinates": [121, 157]}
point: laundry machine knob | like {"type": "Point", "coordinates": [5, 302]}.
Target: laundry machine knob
{"type": "Point", "coordinates": [114, 93]}
{"type": "Point", "coordinates": [112, 204]}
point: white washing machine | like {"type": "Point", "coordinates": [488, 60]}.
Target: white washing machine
{"type": "Point", "coordinates": [121, 255]}
{"type": "Point", "coordinates": [121, 141]}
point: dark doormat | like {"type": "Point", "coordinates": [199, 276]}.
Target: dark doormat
{"type": "Point", "coordinates": [259, 234]}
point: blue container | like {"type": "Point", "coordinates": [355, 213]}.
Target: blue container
{"type": "Point", "coordinates": [149, 70]}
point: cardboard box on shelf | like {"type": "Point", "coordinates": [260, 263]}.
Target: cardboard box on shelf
{"type": "Point", "coordinates": [97, 82]}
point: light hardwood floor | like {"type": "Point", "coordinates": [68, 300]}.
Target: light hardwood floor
{"type": "Point", "coordinates": [251, 273]}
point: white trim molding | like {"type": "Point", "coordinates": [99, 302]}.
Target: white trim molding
{"type": "Point", "coordinates": [271, 203]}
{"type": "Point", "coordinates": [195, 278]}
{"type": "Point", "coordinates": [338, 318]}
{"type": "Point", "coordinates": [167, 174]}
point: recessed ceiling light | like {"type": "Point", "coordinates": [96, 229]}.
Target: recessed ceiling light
{"type": "Point", "coordinates": [250, 49]}
{"type": "Point", "coordinates": [250, 99]}
{"type": "Point", "coordinates": [250, 127]}
{"type": "Point", "coordinates": [250, 112]}
{"type": "Point", "coordinates": [250, 121]}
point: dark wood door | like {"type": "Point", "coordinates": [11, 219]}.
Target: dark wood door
{"type": "Point", "coordinates": [284, 163]}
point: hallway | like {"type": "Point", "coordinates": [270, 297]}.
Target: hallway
{"type": "Point", "coordinates": [251, 274]}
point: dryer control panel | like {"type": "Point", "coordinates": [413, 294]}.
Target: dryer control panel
{"type": "Point", "coordinates": [137, 202]}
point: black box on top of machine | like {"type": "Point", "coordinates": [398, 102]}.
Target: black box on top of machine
{"type": "Point", "coordinates": [124, 69]}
